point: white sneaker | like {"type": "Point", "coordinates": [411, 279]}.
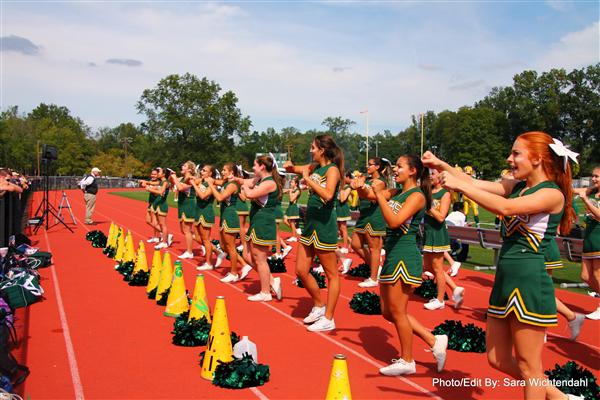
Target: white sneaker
{"type": "Point", "coordinates": [153, 240]}
{"type": "Point", "coordinates": [230, 278]}
{"type": "Point", "coordinates": [594, 315]}
{"type": "Point", "coordinates": [315, 314]}
{"type": "Point", "coordinates": [367, 283]}
{"type": "Point", "coordinates": [574, 397]}
{"type": "Point", "coordinates": [454, 268]}
{"type": "Point", "coordinates": [286, 251]}
{"type": "Point", "coordinates": [299, 231]}
{"type": "Point", "coordinates": [346, 264]}
{"type": "Point", "coordinates": [439, 351]}
{"type": "Point", "coordinates": [240, 247]}
{"type": "Point", "coordinates": [161, 245]}
{"type": "Point", "coordinates": [222, 255]}
{"type": "Point", "coordinates": [170, 239]}
{"type": "Point", "coordinates": [245, 271]}
{"type": "Point", "coordinates": [292, 239]}
{"type": "Point", "coordinates": [429, 274]}
{"type": "Point", "coordinates": [322, 324]}
{"type": "Point", "coordinates": [434, 304]}
{"type": "Point", "coordinates": [205, 267]}
{"type": "Point", "coordinates": [458, 296]}
{"type": "Point", "coordinates": [344, 250]}
{"type": "Point", "coordinates": [575, 325]}
{"type": "Point", "coordinates": [187, 254]}
{"type": "Point", "coordinates": [592, 293]}
{"type": "Point", "coordinates": [202, 251]}
{"type": "Point", "coordinates": [276, 288]}
{"type": "Point", "coordinates": [379, 271]}
{"type": "Point", "coordinates": [399, 367]}
{"type": "Point", "coordinates": [319, 269]}
{"type": "Point", "coordinates": [260, 296]}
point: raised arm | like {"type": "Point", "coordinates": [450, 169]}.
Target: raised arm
{"type": "Point", "coordinates": [592, 209]}
{"type": "Point", "coordinates": [413, 204]}
{"type": "Point", "coordinates": [367, 191]}
{"type": "Point", "coordinates": [328, 192]}
{"type": "Point", "coordinates": [296, 169]}
{"type": "Point", "coordinates": [159, 190]}
{"type": "Point", "coordinates": [441, 214]}
{"type": "Point", "coordinates": [225, 194]}
{"type": "Point", "coordinates": [252, 191]}
{"type": "Point", "coordinates": [202, 194]}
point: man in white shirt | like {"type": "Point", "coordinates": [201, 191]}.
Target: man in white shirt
{"type": "Point", "coordinates": [89, 185]}
{"type": "Point", "coordinates": [456, 218]}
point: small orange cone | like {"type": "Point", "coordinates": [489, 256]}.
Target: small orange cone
{"type": "Point", "coordinates": [166, 276]}
{"type": "Point", "coordinates": [219, 341]}
{"type": "Point", "coordinates": [339, 384]}
{"type": "Point", "coordinates": [154, 272]}
{"type": "Point", "coordinates": [199, 307]}
{"type": "Point", "coordinates": [141, 263]}
{"type": "Point", "coordinates": [177, 302]}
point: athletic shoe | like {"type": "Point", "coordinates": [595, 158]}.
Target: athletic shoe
{"type": "Point", "coordinates": [245, 271]}
{"type": "Point", "coordinates": [428, 274]}
{"type": "Point", "coordinates": [161, 245]}
{"type": "Point", "coordinates": [222, 255]}
{"type": "Point", "coordinates": [153, 240]}
{"type": "Point", "coordinates": [170, 239]}
{"type": "Point", "coordinates": [299, 231]}
{"type": "Point", "coordinates": [202, 251]}
{"type": "Point", "coordinates": [276, 288]}
{"type": "Point", "coordinates": [346, 265]}
{"type": "Point", "coordinates": [319, 269]}
{"type": "Point", "coordinates": [439, 351]}
{"type": "Point", "coordinates": [399, 367]}
{"type": "Point", "coordinates": [575, 325]}
{"type": "Point", "coordinates": [230, 278]}
{"type": "Point", "coordinates": [382, 253]}
{"type": "Point", "coordinates": [286, 251]}
{"type": "Point", "coordinates": [434, 304]}
{"type": "Point", "coordinates": [367, 283]}
{"type": "Point", "coordinates": [187, 254]}
{"type": "Point", "coordinates": [574, 397]}
{"type": "Point", "coordinates": [240, 247]}
{"type": "Point", "coordinates": [593, 294]}
{"type": "Point", "coordinates": [379, 271]}
{"type": "Point", "coordinates": [344, 250]}
{"type": "Point", "coordinates": [594, 315]}
{"type": "Point", "coordinates": [458, 296]}
{"type": "Point", "coordinates": [292, 239]}
{"type": "Point", "coordinates": [205, 267]}
{"type": "Point", "coordinates": [260, 296]}
{"type": "Point", "coordinates": [322, 324]}
{"type": "Point", "coordinates": [454, 268]}
{"type": "Point", "coordinates": [315, 314]}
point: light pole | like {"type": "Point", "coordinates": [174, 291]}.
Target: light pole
{"type": "Point", "coordinates": [366, 112]}
{"type": "Point", "coordinates": [377, 148]}
{"type": "Point", "coordinates": [422, 115]}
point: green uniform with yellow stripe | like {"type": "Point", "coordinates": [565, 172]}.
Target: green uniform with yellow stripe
{"type": "Point", "coordinates": [186, 204]}
{"type": "Point", "coordinates": [370, 221]}
{"type": "Point", "coordinates": [241, 207]}
{"type": "Point", "coordinates": [403, 259]}
{"type": "Point", "coordinates": [152, 196]}
{"type": "Point", "coordinates": [205, 212]}
{"type": "Point", "coordinates": [552, 258]}
{"type": "Point", "coordinates": [342, 209]}
{"type": "Point", "coordinates": [278, 212]}
{"type": "Point", "coordinates": [437, 239]}
{"type": "Point", "coordinates": [320, 228]}
{"type": "Point", "coordinates": [521, 285]}
{"type": "Point", "coordinates": [591, 235]}
{"type": "Point", "coordinates": [230, 221]}
{"type": "Point", "coordinates": [293, 212]}
{"type": "Point", "coordinates": [160, 205]}
{"type": "Point", "coordinates": [262, 228]}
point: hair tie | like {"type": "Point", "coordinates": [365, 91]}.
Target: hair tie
{"type": "Point", "coordinates": [563, 151]}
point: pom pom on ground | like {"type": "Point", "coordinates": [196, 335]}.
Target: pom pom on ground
{"type": "Point", "coordinates": [360, 271]}
{"type": "Point", "coordinates": [366, 303]}
{"type": "Point", "coordinates": [241, 373]}
{"type": "Point", "coordinates": [464, 338]}
{"type": "Point", "coordinates": [276, 264]}
{"type": "Point", "coordinates": [571, 372]}
{"type": "Point", "coordinates": [428, 290]}
{"type": "Point", "coordinates": [140, 278]}
{"type": "Point", "coordinates": [319, 277]}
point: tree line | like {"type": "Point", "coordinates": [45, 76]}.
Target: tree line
{"type": "Point", "coordinates": [187, 117]}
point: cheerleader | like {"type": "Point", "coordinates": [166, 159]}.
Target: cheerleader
{"type": "Point", "coordinates": [403, 209]}
{"type": "Point", "coordinates": [186, 204]}
{"type": "Point", "coordinates": [533, 206]}
{"type": "Point", "coordinates": [279, 218]}
{"type": "Point", "coordinates": [342, 210]}
{"type": "Point", "coordinates": [370, 226]}
{"type": "Point", "coordinates": [261, 235]}
{"type": "Point", "coordinates": [205, 213]}
{"type": "Point", "coordinates": [590, 258]}
{"type": "Point", "coordinates": [292, 214]}
{"type": "Point", "coordinates": [467, 202]}
{"type": "Point", "coordinates": [150, 213]}
{"type": "Point", "coordinates": [319, 236]}
{"type": "Point", "coordinates": [241, 206]}
{"type": "Point", "coordinates": [161, 207]}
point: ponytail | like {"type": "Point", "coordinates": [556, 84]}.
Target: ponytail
{"type": "Point", "coordinates": [422, 175]}
{"type": "Point", "coordinates": [269, 164]}
{"type": "Point", "coordinates": [332, 152]}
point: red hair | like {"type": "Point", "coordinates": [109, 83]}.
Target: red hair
{"type": "Point", "coordinates": [537, 144]}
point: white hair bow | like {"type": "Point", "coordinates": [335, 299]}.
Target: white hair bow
{"type": "Point", "coordinates": [562, 151]}
{"type": "Point", "coordinates": [280, 171]}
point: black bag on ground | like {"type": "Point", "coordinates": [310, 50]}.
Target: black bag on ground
{"type": "Point", "coordinates": [9, 366]}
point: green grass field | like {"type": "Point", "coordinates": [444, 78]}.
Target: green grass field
{"type": "Point", "coordinates": [477, 255]}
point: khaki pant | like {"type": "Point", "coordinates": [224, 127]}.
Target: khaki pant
{"type": "Point", "coordinates": [90, 203]}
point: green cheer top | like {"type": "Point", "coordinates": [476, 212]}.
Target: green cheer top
{"type": "Point", "coordinates": [262, 228]}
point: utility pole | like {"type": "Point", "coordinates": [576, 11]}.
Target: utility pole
{"type": "Point", "coordinates": [289, 151]}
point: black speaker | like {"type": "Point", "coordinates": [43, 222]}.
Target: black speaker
{"type": "Point", "coordinates": [49, 153]}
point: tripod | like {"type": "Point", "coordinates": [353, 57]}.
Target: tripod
{"type": "Point", "coordinates": [46, 207]}
{"type": "Point", "coordinates": [64, 203]}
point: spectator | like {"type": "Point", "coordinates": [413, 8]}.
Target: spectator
{"type": "Point", "coordinates": [89, 185]}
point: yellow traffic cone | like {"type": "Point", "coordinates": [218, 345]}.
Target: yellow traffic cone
{"type": "Point", "coordinates": [141, 263]}
{"type": "Point", "coordinates": [166, 276]}
{"type": "Point", "coordinates": [120, 246]}
{"type": "Point", "coordinates": [219, 341]}
{"type": "Point", "coordinates": [199, 307]}
{"type": "Point", "coordinates": [129, 252]}
{"type": "Point", "coordinates": [110, 234]}
{"type": "Point", "coordinates": [339, 384]}
{"type": "Point", "coordinates": [154, 272]}
{"type": "Point", "coordinates": [177, 302]}
{"type": "Point", "coordinates": [115, 237]}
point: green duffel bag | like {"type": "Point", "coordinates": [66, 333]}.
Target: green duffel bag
{"type": "Point", "coordinates": [23, 290]}
{"type": "Point", "coordinates": [44, 258]}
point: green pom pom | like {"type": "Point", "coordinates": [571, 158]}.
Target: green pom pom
{"type": "Point", "coordinates": [366, 303]}
{"type": "Point", "coordinates": [109, 252]}
{"type": "Point", "coordinates": [428, 290]}
{"type": "Point", "coordinates": [574, 379]}
{"type": "Point", "coordinates": [276, 264]}
{"type": "Point", "coordinates": [241, 373]}
{"type": "Point", "coordinates": [140, 278]}
{"type": "Point", "coordinates": [152, 294]}
{"type": "Point", "coordinates": [98, 238]}
{"type": "Point", "coordinates": [125, 269]}
{"type": "Point", "coordinates": [360, 271]}
{"type": "Point", "coordinates": [319, 277]}
{"type": "Point", "coordinates": [194, 332]}
{"type": "Point", "coordinates": [467, 338]}
{"type": "Point", "coordinates": [163, 298]}
{"type": "Point", "coordinates": [216, 244]}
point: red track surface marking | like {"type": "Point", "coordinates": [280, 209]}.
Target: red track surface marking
{"type": "Point", "coordinates": [122, 340]}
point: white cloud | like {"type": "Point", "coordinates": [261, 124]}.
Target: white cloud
{"type": "Point", "coordinates": [574, 50]}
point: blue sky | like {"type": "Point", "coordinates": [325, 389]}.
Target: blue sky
{"type": "Point", "coordinates": [290, 63]}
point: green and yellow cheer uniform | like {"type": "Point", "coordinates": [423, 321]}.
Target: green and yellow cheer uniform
{"type": "Point", "coordinates": [262, 228]}
{"type": "Point", "coordinates": [293, 212]}
{"type": "Point", "coordinates": [205, 213]}
{"type": "Point", "coordinates": [437, 239]}
{"type": "Point", "coordinates": [342, 209]}
{"type": "Point", "coordinates": [370, 221]}
{"type": "Point", "coordinates": [160, 205]}
{"type": "Point", "coordinates": [591, 235]}
{"type": "Point", "coordinates": [230, 221]}
{"type": "Point", "coordinates": [186, 204]}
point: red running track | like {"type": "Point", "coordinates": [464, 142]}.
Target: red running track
{"type": "Point", "coordinates": [96, 337]}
